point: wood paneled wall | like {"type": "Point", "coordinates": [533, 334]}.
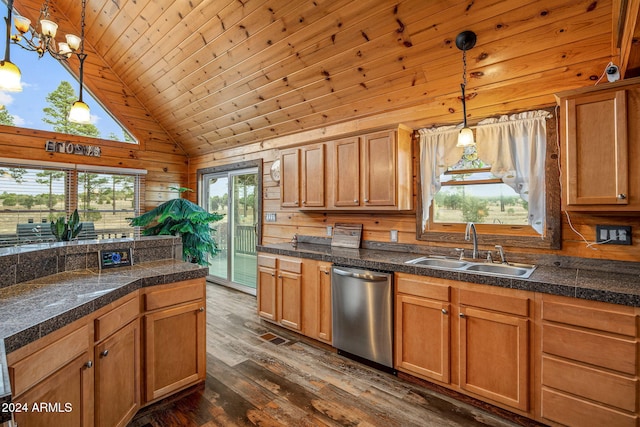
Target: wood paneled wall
{"type": "Point", "coordinates": [377, 226]}
{"type": "Point", "coordinates": [165, 162]}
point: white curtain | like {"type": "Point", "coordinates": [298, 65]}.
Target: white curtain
{"type": "Point", "coordinates": [438, 151]}
{"type": "Point", "coordinates": [514, 146]}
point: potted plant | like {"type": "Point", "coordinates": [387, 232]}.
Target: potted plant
{"type": "Point", "coordinates": [65, 230]}
{"type": "Point", "coordinates": [184, 218]}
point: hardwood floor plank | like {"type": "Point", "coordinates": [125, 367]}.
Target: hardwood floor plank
{"type": "Point", "coordinates": [252, 381]}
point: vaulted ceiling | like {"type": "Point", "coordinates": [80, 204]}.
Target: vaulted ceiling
{"type": "Point", "coordinates": [212, 75]}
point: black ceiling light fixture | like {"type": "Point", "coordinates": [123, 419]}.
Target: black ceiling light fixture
{"type": "Point", "coordinates": [464, 41]}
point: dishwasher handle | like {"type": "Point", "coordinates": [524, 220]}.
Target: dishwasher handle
{"type": "Point", "coordinates": [369, 277]}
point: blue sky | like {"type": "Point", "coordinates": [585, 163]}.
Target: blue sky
{"type": "Point", "coordinates": [39, 78]}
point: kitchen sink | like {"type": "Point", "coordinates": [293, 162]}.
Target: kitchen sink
{"type": "Point", "coordinates": [505, 270]}
{"type": "Point", "coordinates": [501, 269]}
{"type": "Point", "coordinates": [438, 262]}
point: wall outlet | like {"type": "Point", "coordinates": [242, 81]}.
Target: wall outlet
{"type": "Point", "coordinates": [613, 234]}
{"type": "Point", "coordinates": [270, 217]}
{"type": "Point", "coordinates": [393, 235]}
{"type": "Point", "coordinates": [329, 230]}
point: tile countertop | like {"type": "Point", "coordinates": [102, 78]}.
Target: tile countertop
{"type": "Point", "coordinates": [31, 310]}
{"type": "Point", "coordinates": [589, 284]}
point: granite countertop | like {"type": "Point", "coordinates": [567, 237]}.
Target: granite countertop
{"type": "Point", "coordinates": [590, 284]}
{"type": "Point", "coordinates": [33, 309]}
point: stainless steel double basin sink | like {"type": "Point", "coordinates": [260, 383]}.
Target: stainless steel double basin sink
{"type": "Point", "coordinates": [521, 271]}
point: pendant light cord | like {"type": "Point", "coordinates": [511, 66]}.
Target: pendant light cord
{"type": "Point", "coordinates": [82, 55]}
{"type": "Point", "coordinates": [8, 22]}
{"type": "Point", "coordinates": [463, 85]}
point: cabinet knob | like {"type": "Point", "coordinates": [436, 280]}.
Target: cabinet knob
{"type": "Point", "coordinates": [201, 309]}
{"type": "Point", "coordinates": [444, 311]}
{"type": "Point", "coordinates": [104, 353]}
{"type": "Point", "coordinates": [273, 274]}
{"type": "Point", "coordinates": [89, 364]}
{"type": "Point", "coordinates": [355, 200]}
{"type": "Point", "coordinates": [366, 200]}
{"type": "Point", "coordinates": [622, 196]}
{"type": "Point", "coordinates": [304, 202]}
{"type": "Point", "coordinates": [462, 315]}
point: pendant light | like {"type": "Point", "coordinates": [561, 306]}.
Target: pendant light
{"type": "Point", "coordinates": [79, 112]}
{"type": "Point", "coordinates": [9, 72]}
{"type": "Point", "coordinates": [464, 41]}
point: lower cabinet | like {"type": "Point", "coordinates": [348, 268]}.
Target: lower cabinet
{"type": "Point", "coordinates": [90, 373]}
{"type": "Point", "coordinates": [174, 338]}
{"type": "Point", "coordinates": [296, 294]}
{"type": "Point", "coordinates": [472, 338]}
{"type": "Point", "coordinates": [589, 364]}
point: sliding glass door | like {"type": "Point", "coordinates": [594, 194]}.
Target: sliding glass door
{"type": "Point", "coordinates": [235, 195]}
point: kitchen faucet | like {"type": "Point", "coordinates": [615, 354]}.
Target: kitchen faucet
{"type": "Point", "coordinates": [467, 236]}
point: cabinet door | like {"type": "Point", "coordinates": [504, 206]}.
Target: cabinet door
{"type": "Point", "coordinates": [494, 357]}
{"type": "Point", "coordinates": [64, 398]}
{"type": "Point", "coordinates": [422, 337]}
{"type": "Point", "coordinates": [379, 174]}
{"type": "Point", "coordinates": [324, 302]}
{"type": "Point", "coordinates": [117, 377]}
{"type": "Point", "coordinates": [174, 349]}
{"type": "Point", "coordinates": [290, 299]}
{"type": "Point", "coordinates": [312, 190]}
{"type": "Point", "coordinates": [346, 175]}
{"type": "Point", "coordinates": [267, 289]}
{"type": "Point", "coordinates": [596, 150]}
{"type": "Point", "coordinates": [290, 179]}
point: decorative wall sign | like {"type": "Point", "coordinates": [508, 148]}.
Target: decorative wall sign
{"type": "Point", "coordinates": [71, 148]}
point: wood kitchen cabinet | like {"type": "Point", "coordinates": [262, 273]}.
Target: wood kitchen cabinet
{"type": "Point", "coordinates": [372, 171]}
{"type": "Point", "coordinates": [600, 148]}
{"type": "Point", "coordinates": [174, 337]}
{"type": "Point", "coordinates": [493, 346]}
{"type": "Point", "coordinates": [280, 290]}
{"type": "Point", "coordinates": [59, 374]}
{"type": "Point", "coordinates": [316, 300]}
{"type": "Point", "coordinates": [589, 363]}
{"type": "Point", "coordinates": [117, 365]}
{"type": "Point", "coordinates": [423, 326]}
{"type": "Point", "coordinates": [472, 338]}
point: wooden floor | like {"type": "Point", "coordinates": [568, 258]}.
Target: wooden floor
{"type": "Point", "coordinates": [252, 381]}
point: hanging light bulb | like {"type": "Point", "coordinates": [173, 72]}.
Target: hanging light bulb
{"type": "Point", "coordinates": [464, 41]}
{"type": "Point", "coordinates": [79, 112]}
{"type": "Point", "coordinates": [9, 73]}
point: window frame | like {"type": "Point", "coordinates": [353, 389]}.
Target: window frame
{"type": "Point", "coordinates": [505, 234]}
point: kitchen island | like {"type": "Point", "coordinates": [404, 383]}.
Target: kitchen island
{"type": "Point", "coordinates": [49, 287]}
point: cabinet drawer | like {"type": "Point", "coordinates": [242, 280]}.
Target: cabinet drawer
{"type": "Point", "coordinates": [503, 303]}
{"type": "Point", "coordinates": [595, 349]}
{"type": "Point", "coordinates": [267, 261]}
{"type": "Point", "coordinates": [572, 411]}
{"type": "Point", "coordinates": [32, 369]}
{"type": "Point", "coordinates": [423, 287]}
{"type": "Point", "coordinates": [176, 293]}
{"type": "Point", "coordinates": [593, 384]}
{"type": "Point", "coordinates": [590, 317]}
{"type": "Point", "coordinates": [291, 265]}
{"type": "Point", "coordinates": [108, 323]}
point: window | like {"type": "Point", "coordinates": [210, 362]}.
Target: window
{"type": "Point", "coordinates": [505, 185]}
{"type": "Point", "coordinates": [32, 196]}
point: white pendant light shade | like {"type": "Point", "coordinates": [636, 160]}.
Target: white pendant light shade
{"type": "Point", "coordinates": [73, 41]}
{"type": "Point", "coordinates": [22, 24]}
{"type": "Point", "coordinates": [49, 28]}
{"type": "Point", "coordinates": [80, 113]}
{"type": "Point", "coordinates": [465, 137]}
{"type": "Point", "coordinates": [10, 77]}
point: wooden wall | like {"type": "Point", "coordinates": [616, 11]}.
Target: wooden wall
{"type": "Point", "coordinates": [165, 162]}
{"type": "Point", "coordinates": [377, 226]}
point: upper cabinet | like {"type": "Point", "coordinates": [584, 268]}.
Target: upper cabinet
{"type": "Point", "coordinates": [372, 171]}
{"type": "Point", "coordinates": [600, 148]}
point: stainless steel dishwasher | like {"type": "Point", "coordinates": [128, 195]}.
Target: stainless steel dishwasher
{"type": "Point", "coordinates": [362, 309]}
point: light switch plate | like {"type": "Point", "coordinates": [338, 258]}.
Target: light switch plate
{"type": "Point", "coordinates": [613, 234]}
{"type": "Point", "coordinates": [393, 235]}
{"type": "Point", "coordinates": [270, 217]}
{"type": "Point", "coordinates": [329, 230]}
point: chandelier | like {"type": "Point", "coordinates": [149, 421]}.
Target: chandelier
{"type": "Point", "coordinates": [44, 41]}
{"type": "Point", "coordinates": [464, 41]}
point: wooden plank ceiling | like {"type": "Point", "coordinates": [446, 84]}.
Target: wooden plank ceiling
{"type": "Point", "coordinates": [218, 74]}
